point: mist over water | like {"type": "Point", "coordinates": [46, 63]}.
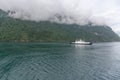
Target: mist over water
{"type": "Point", "coordinates": [56, 61]}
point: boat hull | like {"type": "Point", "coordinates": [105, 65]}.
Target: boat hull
{"type": "Point", "coordinates": [86, 43]}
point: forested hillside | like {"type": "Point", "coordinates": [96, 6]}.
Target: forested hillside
{"type": "Point", "coordinates": [17, 30]}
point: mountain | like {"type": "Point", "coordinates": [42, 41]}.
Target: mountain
{"type": "Point", "coordinates": [17, 30]}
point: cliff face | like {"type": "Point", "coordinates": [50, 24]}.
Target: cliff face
{"type": "Point", "coordinates": [29, 31]}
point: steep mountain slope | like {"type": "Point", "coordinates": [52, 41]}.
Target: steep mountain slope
{"type": "Point", "coordinates": [29, 31]}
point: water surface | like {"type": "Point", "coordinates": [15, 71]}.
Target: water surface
{"type": "Point", "coordinates": [59, 61]}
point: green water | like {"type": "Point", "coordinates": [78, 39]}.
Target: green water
{"type": "Point", "coordinates": [59, 61]}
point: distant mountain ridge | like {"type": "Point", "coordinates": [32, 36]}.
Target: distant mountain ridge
{"type": "Point", "coordinates": [17, 30]}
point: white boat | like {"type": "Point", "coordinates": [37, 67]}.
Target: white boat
{"type": "Point", "coordinates": [81, 42]}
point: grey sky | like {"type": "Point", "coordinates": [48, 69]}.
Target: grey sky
{"type": "Point", "coordinates": [104, 12]}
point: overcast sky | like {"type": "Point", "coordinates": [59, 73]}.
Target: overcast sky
{"type": "Point", "coordinates": [101, 12]}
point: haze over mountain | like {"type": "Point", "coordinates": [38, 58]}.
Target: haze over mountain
{"type": "Point", "coordinates": [17, 30]}
{"type": "Point", "coordinates": [99, 12]}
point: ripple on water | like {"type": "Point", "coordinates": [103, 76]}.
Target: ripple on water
{"type": "Point", "coordinates": [59, 62]}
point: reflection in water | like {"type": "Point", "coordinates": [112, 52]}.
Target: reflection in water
{"type": "Point", "coordinates": [34, 61]}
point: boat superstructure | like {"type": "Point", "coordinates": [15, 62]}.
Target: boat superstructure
{"type": "Point", "coordinates": [81, 42]}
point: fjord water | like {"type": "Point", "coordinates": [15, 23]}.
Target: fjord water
{"type": "Point", "coordinates": [59, 61]}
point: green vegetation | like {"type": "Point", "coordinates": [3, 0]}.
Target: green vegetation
{"type": "Point", "coordinates": [17, 30]}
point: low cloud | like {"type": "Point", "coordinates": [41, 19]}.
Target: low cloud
{"type": "Point", "coordinates": [98, 12]}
